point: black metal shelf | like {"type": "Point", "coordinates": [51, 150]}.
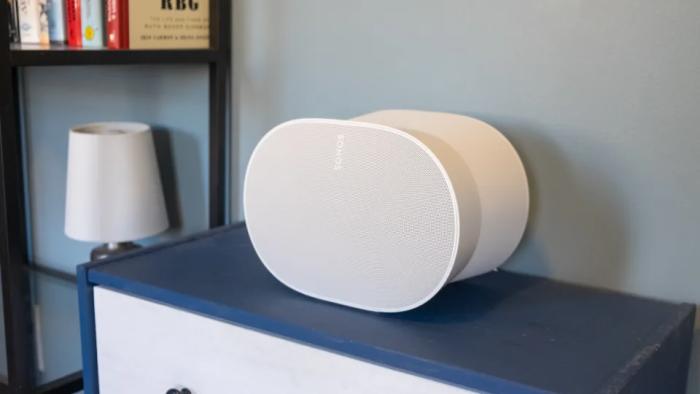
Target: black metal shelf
{"type": "Point", "coordinates": [14, 261]}
{"type": "Point", "coordinates": [68, 384]}
{"type": "Point", "coordinates": [60, 55]}
{"type": "Point", "coordinates": [52, 272]}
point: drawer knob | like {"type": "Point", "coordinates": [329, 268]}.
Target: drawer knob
{"type": "Point", "coordinates": [180, 391]}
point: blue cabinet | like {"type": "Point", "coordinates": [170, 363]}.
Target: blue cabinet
{"type": "Point", "coordinates": [209, 302]}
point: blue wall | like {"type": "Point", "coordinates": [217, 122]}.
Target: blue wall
{"type": "Point", "coordinates": [174, 101]}
{"type": "Point", "coordinates": [601, 98]}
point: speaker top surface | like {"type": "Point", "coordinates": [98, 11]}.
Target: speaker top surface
{"type": "Point", "coordinates": [353, 213]}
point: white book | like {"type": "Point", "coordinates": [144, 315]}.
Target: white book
{"type": "Point", "coordinates": [92, 25]}
{"type": "Point", "coordinates": [57, 20]}
{"type": "Point", "coordinates": [28, 11]}
{"type": "Point", "coordinates": [43, 21]}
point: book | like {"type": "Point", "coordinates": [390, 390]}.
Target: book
{"type": "Point", "coordinates": [160, 24]}
{"type": "Point", "coordinates": [57, 21]}
{"type": "Point", "coordinates": [14, 21]}
{"type": "Point", "coordinates": [28, 14]}
{"type": "Point", "coordinates": [117, 24]}
{"type": "Point", "coordinates": [42, 7]}
{"type": "Point", "coordinates": [91, 23]}
{"type": "Point", "coordinates": [73, 25]}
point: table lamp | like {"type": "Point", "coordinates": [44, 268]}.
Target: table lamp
{"type": "Point", "coordinates": [113, 189]}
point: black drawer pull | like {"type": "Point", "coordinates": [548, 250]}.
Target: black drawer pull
{"type": "Point", "coordinates": [176, 391]}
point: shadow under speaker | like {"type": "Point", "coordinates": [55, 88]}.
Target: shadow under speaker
{"type": "Point", "coordinates": [382, 211]}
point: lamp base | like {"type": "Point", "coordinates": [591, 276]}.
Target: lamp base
{"type": "Point", "coordinates": [111, 249]}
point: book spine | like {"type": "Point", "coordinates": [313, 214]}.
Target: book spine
{"type": "Point", "coordinates": [125, 22]}
{"type": "Point", "coordinates": [42, 7]}
{"type": "Point", "coordinates": [73, 23]}
{"type": "Point", "coordinates": [117, 24]}
{"type": "Point", "coordinates": [14, 21]}
{"type": "Point", "coordinates": [57, 24]}
{"type": "Point", "coordinates": [28, 12]}
{"type": "Point", "coordinates": [91, 18]}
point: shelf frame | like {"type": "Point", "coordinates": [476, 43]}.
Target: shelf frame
{"type": "Point", "coordinates": [64, 56]}
{"type": "Point", "coordinates": [15, 265]}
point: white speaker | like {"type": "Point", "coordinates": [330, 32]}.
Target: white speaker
{"type": "Point", "coordinates": [381, 211]}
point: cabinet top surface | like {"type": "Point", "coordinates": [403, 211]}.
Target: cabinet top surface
{"type": "Point", "coordinates": [500, 332]}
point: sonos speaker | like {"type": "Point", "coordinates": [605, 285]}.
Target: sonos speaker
{"type": "Point", "coordinates": [381, 211]}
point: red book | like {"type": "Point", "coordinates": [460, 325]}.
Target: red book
{"type": "Point", "coordinates": [118, 24]}
{"type": "Point", "coordinates": [73, 25]}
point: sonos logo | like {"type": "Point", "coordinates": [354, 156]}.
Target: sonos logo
{"type": "Point", "coordinates": [339, 145]}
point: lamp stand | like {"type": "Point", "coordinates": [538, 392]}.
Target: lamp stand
{"type": "Point", "coordinates": [110, 249]}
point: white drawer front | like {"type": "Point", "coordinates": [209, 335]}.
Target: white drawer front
{"type": "Point", "coordinates": [146, 347]}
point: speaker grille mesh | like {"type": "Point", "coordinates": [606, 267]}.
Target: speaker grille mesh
{"type": "Point", "coordinates": [351, 214]}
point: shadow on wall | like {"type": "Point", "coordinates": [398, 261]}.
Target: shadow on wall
{"type": "Point", "coordinates": [260, 72]}
{"type": "Point", "coordinates": [577, 225]}
{"type": "Point", "coordinates": [163, 141]}
{"type": "Point", "coordinates": [164, 154]}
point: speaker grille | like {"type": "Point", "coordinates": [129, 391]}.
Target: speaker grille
{"type": "Point", "coordinates": [357, 215]}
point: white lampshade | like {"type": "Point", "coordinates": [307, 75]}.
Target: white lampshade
{"type": "Point", "coordinates": [114, 191]}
